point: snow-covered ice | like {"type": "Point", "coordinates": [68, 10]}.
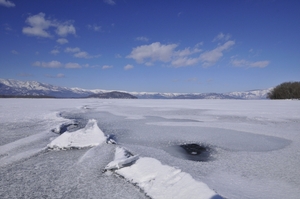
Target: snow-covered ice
{"type": "Point", "coordinates": [255, 144]}
{"type": "Point", "coordinates": [89, 136]}
{"type": "Point", "coordinates": [157, 180]}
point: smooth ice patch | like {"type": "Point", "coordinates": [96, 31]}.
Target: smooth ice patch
{"type": "Point", "coordinates": [89, 136]}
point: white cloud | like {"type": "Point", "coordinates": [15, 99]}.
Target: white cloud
{"type": "Point", "coordinates": [128, 67]}
{"type": "Point", "coordinates": [148, 54]}
{"type": "Point", "coordinates": [72, 65]}
{"type": "Point", "coordinates": [144, 39]}
{"type": "Point", "coordinates": [52, 64]}
{"type": "Point", "coordinates": [7, 3]}
{"type": "Point", "coordinates": [184, 61]}
{"type": "Point", "coordinates": [56, 64]}
{"type": "Point", "coordinates": [65, 29]}
{"type": "Point", "coordinates": [94, 27]}
{"type": "Point", "coordinates": [62, 41]}
{"type": "Point", "coordinates": [248, 64]}
{"type": "Point", "coordinates": [14, 52]}
{"type": "Point", "coordinates": [110, 2]}
{"type": "Point", "coordinates": [82, 54]}
{"type": "Point", "coordinates": [107, 67]}
{"type": "Point", "coordinates": [54, 52]}
{"type": "Point", "coordinates": [222, 37]}
{"type": "Point", "coordinates": [155, 52]}
{"type": "Point", "coordinates": [260, 64]}
{"type": "Point", "coordinates": [72, 50]}
{"type": "Point", "coordinates": [39, 26]}
{"type": "Point", "coordinates": [209, 58]}
{"type": "Point", "coordinates": [118, 56]}
{"type": "Point", "coordinates": [187, 52]}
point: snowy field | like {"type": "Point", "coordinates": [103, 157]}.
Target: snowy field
{"type": "Point", "coordinates": [92, 148]}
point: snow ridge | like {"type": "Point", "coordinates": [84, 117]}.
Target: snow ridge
{"type": "Point", "coordinates": [157, 180]}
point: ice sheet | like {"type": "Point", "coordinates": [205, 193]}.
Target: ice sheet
{"type": "Point", "coordinates": [256, 145]}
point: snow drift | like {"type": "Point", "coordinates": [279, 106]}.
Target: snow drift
{"type": "Point", "coordinates": [158, 180]}
{"type": "Point", "coordinates": [89, 136]}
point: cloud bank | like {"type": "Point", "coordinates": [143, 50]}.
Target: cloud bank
{"type": "Point", "coordinates": [7, 3]}
{"type": "Point", "coordinates": [39, 26]}
{"type": "Point", "coordinates": [166, 53]}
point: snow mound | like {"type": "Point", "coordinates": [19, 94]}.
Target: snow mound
{"type": "Point", "coordinates": [122, 158]}
{"type": "Point", "coordinates": [90, 136]}
{"type": "Point", "coordinates": [158, 180]}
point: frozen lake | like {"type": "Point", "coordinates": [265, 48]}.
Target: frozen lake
{"type": "Point", "coordinates": [56, 148]}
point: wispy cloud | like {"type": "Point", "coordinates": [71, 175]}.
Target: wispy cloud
{"type": "Point", "coordinates": [144, 39]}
{"type": "Point", "coordinates": [14, 52]}
{"type": "Point", "coordinates": [25, 75]}
{"type": "Point", "coordinates": [107, 67]}
{"type": "Point", "coordinates": [118, 56]}
{"type": "Point", "coordinates": [110, 2]}
{"type": "Point", "coordinates": [65, 29]}
{"type": "Point", "coordinates": [52, 64]}
{"type": "Point", "coordinates": [155, 52]}
{"type": "Point", "coordinates": [72, 50]}
{"type": "Point", "coordinates": [56, 64]}
{"type": "Point", "coordinates": [192, 79]}
{"type": "Point", "coordinates": [72, 65]}
{"type": "Point", "coordinates": [39, 26]}
{"type": "Point", "coordinates": [7, 3]}
{"type": "Point", "coordinates": [209, 58]}
{"type": "Point", "coordinates": [80, 54]}
{"type": "Point", "coordinates": [94, 27]}
{"type": "Point", "coordinates": [222, 37]}
{"type": "Point", "coordinates": [128, 67]}
{"type": "Point", "coordinates": [249, 64]}
{"type": "Point", "coordinates": [59, 75]}
{"type": "Point", "coordinates": [54, 52]}
{"type": "Point", "coordinates": [7, 27]}
{"type": "Point", "coordinates": [62, 41]}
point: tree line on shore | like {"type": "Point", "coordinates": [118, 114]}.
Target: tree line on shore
{"type": "Point", "coordinates": [286, 90]}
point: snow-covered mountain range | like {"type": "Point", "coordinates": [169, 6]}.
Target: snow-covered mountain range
{"type": "Point", "coordinates": [32, 88]}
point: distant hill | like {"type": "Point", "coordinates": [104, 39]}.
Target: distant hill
{"type": "Point", "coordinates": [15, 88]}
{"type": "Point", "coordinates": [113, 95]}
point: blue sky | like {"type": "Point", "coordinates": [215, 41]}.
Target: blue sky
{"type": "Point", "coordinates": [151, 45]}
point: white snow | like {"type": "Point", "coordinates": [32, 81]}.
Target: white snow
{"type": "Point", "coordinates": [158, 180]}
{"type": "Point", "coordinates": [121, 159]}
{"type": "Point", "coordinates": [256, 144]}
{"type": "Point", "coordinates": [89, 136]}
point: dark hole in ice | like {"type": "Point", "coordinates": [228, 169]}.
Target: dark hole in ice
{"type": "Point", "coordinates": [70, 127]}
{"type": "Point", "coordinates": [194, 152]}
{"type": "Point", "coordinates": [111, 139]}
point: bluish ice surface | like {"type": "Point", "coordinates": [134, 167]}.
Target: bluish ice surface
{"type": "Point", "coordinates": [255, 146]}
